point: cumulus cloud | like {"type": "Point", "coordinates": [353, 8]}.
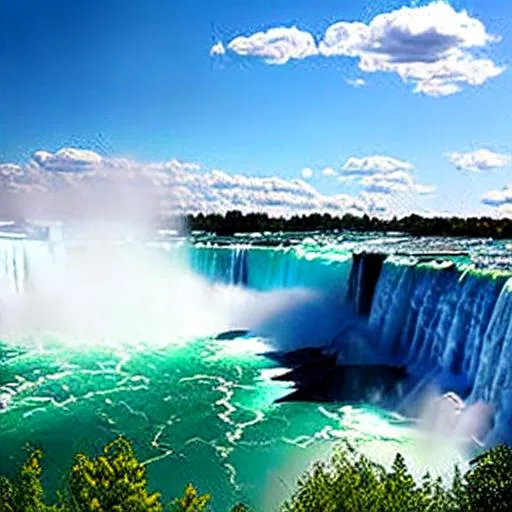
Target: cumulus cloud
{"type": "Point", "coordinates": [479, 160]}
{"type": "Point", "coordinates": [76, 183]}
{"type": "Point", "coordinates": [378, 176]}
{"type": "Point", "coordinates": [424, 190]}
{"type": "Point", "coordinates": [383, 175]}
{"type": "Point", "coordinates": [377, 203]}
{"type": "Point", "coordinates": [435, 47]}
{"type": "Point", "coordinates": [374, 163]}
{"type": "Point", "coordinates": [394, 182]}
{"type": "Point", "coordinates": [217, 192]}
{"type": "Point", "coordinates": [500, 198]}
{"type": "Point", "coordinates": [329, 172]}
{"type": "Point", "coordinates": [67, 160]}
{"type": "Point", "coordinates": [276, 46]}
{"type": "Point", "coordinates": [307, 173]}
{"type": "Point", "coordinates": [428, 45]}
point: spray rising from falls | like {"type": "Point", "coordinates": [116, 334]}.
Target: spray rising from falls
{"type": "Point", "coordinates": [128, 293]}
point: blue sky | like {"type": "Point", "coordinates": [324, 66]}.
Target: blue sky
{"type": "Point", "coordinates": [408, 104]}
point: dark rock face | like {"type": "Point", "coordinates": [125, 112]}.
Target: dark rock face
{"type": "Point", "coordinates": [231, 335]}
{"type": "Point", "coordinates": [364, 274]}
{"type": "Point", "coordinates": [320, 378]}
{"type": "Point", "coordinates": [298, 357]}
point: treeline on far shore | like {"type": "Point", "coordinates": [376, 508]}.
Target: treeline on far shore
{"type": "Point", "coordinates": [237, 222]}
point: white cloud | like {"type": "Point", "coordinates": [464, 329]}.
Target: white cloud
{"type": "Point", "coordinates": [424, 190]}
{"type": "Point", "coordinates": [10, 170]}
{"type": "Point", "coordinates": [505, 210]}
{"type": "Point", "coordinates": [329, 172]}
{"type": "Point", "coordinates": [218, 191]}
{"type": "Point", "coordinates": [347, 178]}
{"type": "Point", "coordinates": [73, 183]}
{"type": "Point", "coordinates": [377, 203]}
{"type": "Point", "coordinates": [428, 45]}
{"type": "Point", "coordinates": [433, 46]}
{"type": "Point", "coordinates": [397, 181]}
{"type": "Point", "coordinates": [374, 163]}
{"type": "Point", "coordinates": [479, 160]}
{"type": "Point", "coordinates": [276, 46]}
{"type": "Point", "coordinates": [383, 175]}
{"type": "Point", "coordinates": [500, 198]}
{"type": "Point", "coordinates": [357, 82]}
{"type": "Point", "coordinates": [217, 49]}
{"type": "Point", "coordinates": [307, 173]}
{"type": "Point", "coordinates": [67, 160]}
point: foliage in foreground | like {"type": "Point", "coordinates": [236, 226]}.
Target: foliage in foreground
{"type": "Point", "coordinates": [352, 483]}
{"type": "Point", "coordinates": [115, 481]}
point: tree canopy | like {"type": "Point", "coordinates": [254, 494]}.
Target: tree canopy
{"type": "Point", "coordinates": [236, 222]}
{"type": "Point", "coordinates": [115, 481]}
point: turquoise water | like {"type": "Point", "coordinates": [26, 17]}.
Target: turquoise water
{"type": "Point", "coordinates": [199, 411]}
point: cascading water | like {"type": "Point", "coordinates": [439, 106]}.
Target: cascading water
{"type": "Point", "coordinates": [450, 322]}
{"type": "Point", "coordinates": [266, 269]}
{"type": "Point", "coordinates": [12, 266]}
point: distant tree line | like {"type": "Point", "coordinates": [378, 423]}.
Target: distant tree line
{"type": "Point", "coordinates": [237, 222]}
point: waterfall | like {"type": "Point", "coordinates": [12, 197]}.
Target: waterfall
{"type": "Point", "coordinates": [435, 314]}
{"type": "Point", "coordinates": [13, 266]}
{"type": "Point", "coordinates": [451, 322]}
{"type": "Point", "coordinates": [266, 269]}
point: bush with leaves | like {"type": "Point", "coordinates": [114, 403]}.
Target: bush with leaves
{"type": "Point", "coordinates": [191, 501]}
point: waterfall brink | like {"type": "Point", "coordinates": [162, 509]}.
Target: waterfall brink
{"type": "Point", "coordinates": [267, 269]}
{"type": "Point", "coordinates": [364, 275]}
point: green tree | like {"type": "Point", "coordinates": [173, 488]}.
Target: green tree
{"type": "Point", "coordinates": [191, 501]}
{"type": "Point", "coordinates": [489, 481]}
{"type": "Point", "coordinates": [26, 493]}
{"type": "Point", "coordinates": [112, 482]}
{"type": "Point", "coordinates": [352, 483]}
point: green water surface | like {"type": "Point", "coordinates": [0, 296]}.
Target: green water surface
{"type": "Point", "coordinates": [200, 411]}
